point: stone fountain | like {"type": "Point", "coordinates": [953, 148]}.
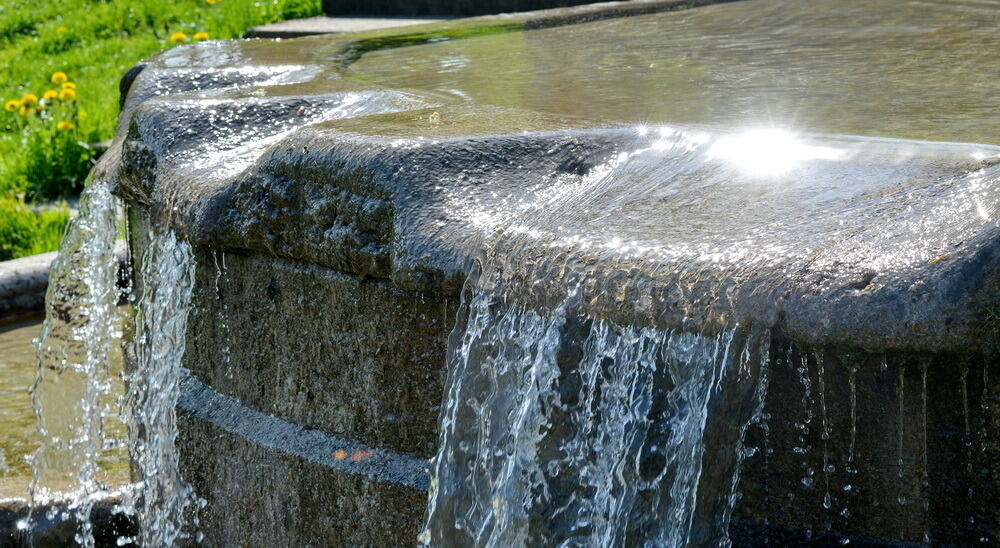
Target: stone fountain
{"type": "Point", "coordinates": [662, 271]}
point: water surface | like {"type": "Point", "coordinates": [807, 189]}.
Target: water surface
{"type": "Point", "coordinates": [18, 428]}
{"type": "Point", "coordinates": [919, 69]}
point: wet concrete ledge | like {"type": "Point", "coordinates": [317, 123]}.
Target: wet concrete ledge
{"type": "Point", "coordinates": [22, 286]}
{"type": "Point", "coordinates": [24, 281]}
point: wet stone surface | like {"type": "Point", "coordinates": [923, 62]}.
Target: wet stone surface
{"type": "Point", "coordinates": [339, 192]}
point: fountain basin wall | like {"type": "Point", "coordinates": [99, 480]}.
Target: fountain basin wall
{"type": "Point", "coordinates": [335, 221]}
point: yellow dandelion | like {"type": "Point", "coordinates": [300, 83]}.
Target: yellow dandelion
{"type": "Point", "coordinates": [67, 94]}
{"type": "Point", "coordinates": [83, 115]}
{"type": "Point", "coordinates": [65, 126]}
{"type": "Point", "coordinates": [12, 105]}
{"type": "Point", "coordinates": [50, 95]}
{"type": "Point", "coordinates": [39, 108]}
{"type": "Point", "coordinates": [29, 99]}
{"type": "Point", "coordinates": [24, 110]}
{"type": "Point", "coordinates": [199, 36]}
{"type": "Point", "coordinates": [68, 85]}
{"type": "Point", "coordinates": [178, 37]}
{"type": "Point", "coordinates": [59, 77]}
{"type": "Point", "coordinates": [62, 30]}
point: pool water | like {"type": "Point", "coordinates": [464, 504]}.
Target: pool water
{"type": "Point", "coordinates": [18, 430]}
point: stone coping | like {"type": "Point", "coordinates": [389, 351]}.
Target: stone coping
{"type": "Point", "coordinates": [267, 147]}
{"type": "Point", "coordinates": [24, 281]}
{"type": "Point", "coordinates": [309, 26]}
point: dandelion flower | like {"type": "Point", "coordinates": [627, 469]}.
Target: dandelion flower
{"type": "Point", "coordinates": [178, 37]}
{"type": "Point", "coordinates": [50, 95]}
{"type": "Point", "coordinates": [62, 30]}
{"type": "Point", "coordinates": [68, 94]}
{"type": "Point", "coordinates": [59, 77]}
{"type": "Point", "coordinates": [24, 110]}
{"type": "Point", "coordinates": [199, 36]}
{"type": "Point", "coordinates": [83, 115]}
{"type": "Point", "coordinates": [29, 99]}
{"type": "Point", "coordinates": [65, 126]}
{"type": "Point", "coordinates": [12, 105]}
{"type": "Point", "coordinates": [68, 85]}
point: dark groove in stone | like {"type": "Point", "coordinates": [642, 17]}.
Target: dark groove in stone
{"type": "Point", "coordinates": [341, 454]}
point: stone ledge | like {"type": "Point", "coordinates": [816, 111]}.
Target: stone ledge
{"type": "Point", "coordinates": [296, 28]}
{"type": "Point", "coordinates": [24, 281]}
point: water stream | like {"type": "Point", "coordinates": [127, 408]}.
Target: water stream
{"type": "Point", "coordinates": [164, 503]}
{"type": "Point", "coordinates": [559, 429]}
{"type": "Point", "coordinates": [75, 349]}
{"type": "Point", "coordinates": [80, 340]}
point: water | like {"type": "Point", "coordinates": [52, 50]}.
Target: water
{"type": "Point", "coordinates": [564, 430]}
{"type": "Point", "coordinates": [164, 503]}
{"type": "Point", "coordinates": [563, 424]}
{"type": "Point", "coordinates": [78, 349]}
{"type": "Point", "coordinates": [19, 437]}
{"type": "Point", "coordinates": [73, 380]}
{"type": "Point", "coordinates": [919, 69]}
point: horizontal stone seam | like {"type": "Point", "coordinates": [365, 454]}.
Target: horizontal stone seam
{"type": "Point", "coordinates": [344, 455]}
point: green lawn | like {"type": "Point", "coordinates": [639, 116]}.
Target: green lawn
{"type": "Point", "coordinates": [92, 42]}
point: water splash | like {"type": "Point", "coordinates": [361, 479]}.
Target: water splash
{"type": "Point", "coordinates": [164, 503]}
{"type": "Point", "coordinates": [81, 330]}
{"type": "Point", "coordinates": [549, 441]}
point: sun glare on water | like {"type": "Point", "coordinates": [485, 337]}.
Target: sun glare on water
{"type": "Point", "coordinates": [768, 152]}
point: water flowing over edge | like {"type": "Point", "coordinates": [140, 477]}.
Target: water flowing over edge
{"type": "Point", "coordinates": [165, 504]}
{"type": "Point", "coordinates": [81, 325]}
{"type": "Point", "coordinates": [559, 429]}
{"type": "Point", "coordinates": [81, 329]}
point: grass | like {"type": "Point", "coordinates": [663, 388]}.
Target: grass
{"type": "Point", "coordinates": [93, 42]}
{"type": "Point", "coordinates": [25, 232]}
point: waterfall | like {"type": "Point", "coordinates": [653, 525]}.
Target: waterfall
{"type": "Point", "coordinates": [81, 326]}
{"type": "Point", "coordinates": [71, 392]}
{"type": "Point", "coordinates": [559, 429]}
{"type": "Point", "coordinates": [164, 503]}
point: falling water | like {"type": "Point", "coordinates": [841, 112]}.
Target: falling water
{"type": "Point", "coordinates": [549, 441]}
{"type": "Point", "coordinates": [73, 382]}
{"type": "Point", "coordinates": [164, 503]}
{"type": "Point", "coordinates": [81, 326]}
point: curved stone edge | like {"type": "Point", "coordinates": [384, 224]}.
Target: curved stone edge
{"type": "Point", "coordinates": [381, 227]}
{"type": "Point", "coordinates": [22, 286]}
{"type": "Point", "coordinates": [24, 281]}
{"type": "Point", "coordinates": [343, 455]}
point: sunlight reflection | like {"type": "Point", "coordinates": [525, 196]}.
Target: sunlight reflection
{"type": "Point", "coordinates": [768, 151]}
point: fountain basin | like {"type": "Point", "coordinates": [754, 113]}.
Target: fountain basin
{"type": "Point", "coordinates": [336, 213]}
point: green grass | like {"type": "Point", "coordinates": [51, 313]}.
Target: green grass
{"type": "Point", "coordinates": [93, 42]}
{"type": "Point", "coordinates": [24, 232]}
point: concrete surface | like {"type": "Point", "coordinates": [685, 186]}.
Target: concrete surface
{"type": "Point", "coordinates": [295, 28]}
